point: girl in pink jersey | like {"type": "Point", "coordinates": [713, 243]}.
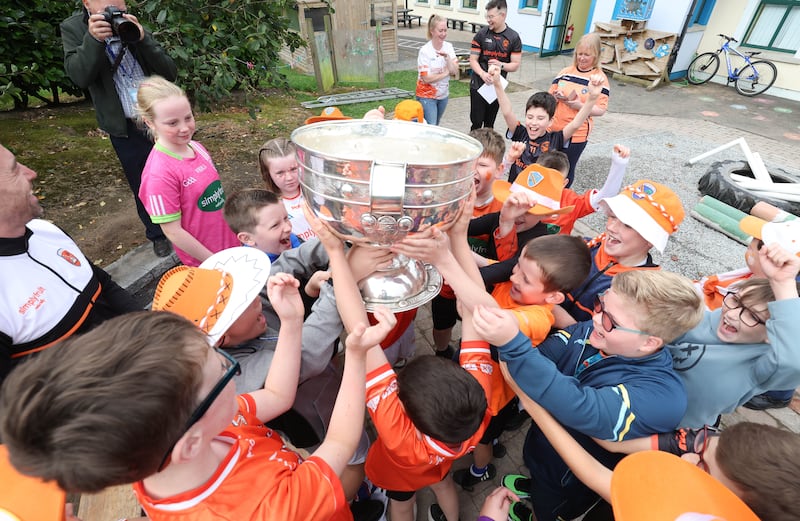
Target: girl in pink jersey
{"type": "Point", "coordinates": [181, 189]}
{"type": "Point", "coordinates": [280, 172]}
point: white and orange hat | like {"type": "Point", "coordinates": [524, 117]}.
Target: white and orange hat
{"type": "Point", "coordinates": [409, 110]}
{"type": "Point", "coordinates": [650, 208]}
{"type": "Point", "coordinates": [658, 486]}
{"type": "Point", "coordinates": [217, 292]}
{"type": "Point", "coordinates": [786, 233]}
{"type": "Point", "coordinates": [327, 114]}
{"type": "Point", "coordinates": [544, 184]}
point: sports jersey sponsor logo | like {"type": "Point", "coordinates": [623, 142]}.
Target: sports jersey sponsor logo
{"type": "Point", "coordinates": [69, 257]}
{"type": "Point", "coordinates": [35, 301]}
{"type": "Point", "coordinates": [189, 181]}
{"type": "Point", "coordinates": [213, 199]}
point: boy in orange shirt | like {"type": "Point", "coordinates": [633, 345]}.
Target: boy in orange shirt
{"type": "Point", "coordinates": [420, 433]}
{"type": "Point", "coordinates": [163, 412]}
{"type": "Point", "coordinates": [538, 282]}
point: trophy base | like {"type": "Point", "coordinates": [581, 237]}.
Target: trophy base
{"type": "Point", "coordinates": [406, 285]}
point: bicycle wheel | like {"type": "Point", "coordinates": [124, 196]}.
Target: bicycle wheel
{"type": "Point", "coordinates": [756, 78]}
{"type": "Point", "coordinates": [702, 68]}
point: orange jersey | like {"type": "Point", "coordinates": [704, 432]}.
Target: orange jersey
{"type": "Point", "coordinates": [402, 460]}
{"type": "Point", "coordinates": [259, 479]}
{"type": "Point", "coordinates": [570, 80]}
{"type": "Point", "coordinates": [583, 207]}
{"type": "Point", "coordinates": [480, 243]}
{"type": "Point", "coordinates": [534, 321]}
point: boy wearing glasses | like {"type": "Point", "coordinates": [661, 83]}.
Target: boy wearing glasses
{"type": "Point", "coordinates": [146, 399]}
{"type": "Point", "coordinates": [748, 345]}
{"type": "Point", "coordinates": [607, 378]}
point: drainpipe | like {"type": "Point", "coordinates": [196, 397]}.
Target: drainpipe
{"type": "Point", "coordinates": [679, 40]}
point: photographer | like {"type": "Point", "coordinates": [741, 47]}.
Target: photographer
{"type": "Point", "coordinates": [97, 59]}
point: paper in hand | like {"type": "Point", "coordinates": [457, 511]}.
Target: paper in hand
{"type": "Point", "coordinates": [487, 90]}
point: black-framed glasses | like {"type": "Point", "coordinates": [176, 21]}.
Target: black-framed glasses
{"type": "Point", "coordinates": [747, 316]}
{"type": "Point", "coordinates": [232, 368]}
{"type": "Point", "coordinates": [607, 321]}
{"type": "Point", "coordinates": [701, 442]}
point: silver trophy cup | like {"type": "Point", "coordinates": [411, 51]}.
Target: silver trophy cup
{"type": "Point", "coordinates": [374, 182]}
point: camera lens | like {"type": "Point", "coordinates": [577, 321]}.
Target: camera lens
{"type": "Point", "coordinates": [128, 31]}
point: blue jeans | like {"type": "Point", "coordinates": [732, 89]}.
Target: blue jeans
{"type": "Point", "coordinates": [433, 109]}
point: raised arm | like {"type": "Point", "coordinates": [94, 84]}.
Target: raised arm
{"type": "Point", "coordinates": [505, 104]}
{"type": "Point", "coordinates": [585, 467]}
{"type": "Point", "coordinates": [595, 87]}
{"type": "Point", "coordinates": [280, 386]}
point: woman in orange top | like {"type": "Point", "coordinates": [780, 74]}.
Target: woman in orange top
{"type": "Point", "coordinates": [570, 90]}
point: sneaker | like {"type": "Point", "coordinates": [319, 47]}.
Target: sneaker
{"type": "Point", "coordinates": [517, 421]}
{"type": "Point", "coordinates": [162, 247]}
{"type": "Point", "coordinates": [447, 352]}
{"type": "Point", "coordinates": [761, 402]}
{"type": "Point", "coordinates": [467, 480]}
{"type": "Point", "coordinates": [499, 450]}
{"type": "Point", "coordinates": [435, 513]}
{"type": "Point", "coordinates": [519, 512]}
{"type": "Point", "coordinates": [518, 484]}
{"type": "Point", "coordinates": [366, 510]}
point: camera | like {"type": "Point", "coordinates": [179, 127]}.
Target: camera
{"type": "Point", "coordinates": [127, 31]}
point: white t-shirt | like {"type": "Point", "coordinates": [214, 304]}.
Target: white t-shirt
{"type": "Point", "coordinates": [430, 62]}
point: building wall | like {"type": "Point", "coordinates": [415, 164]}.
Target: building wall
{"type": "Point", "coordinates": [732, 17]}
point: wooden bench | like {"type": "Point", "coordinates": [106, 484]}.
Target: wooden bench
{"type": "Point", "coordinates": [476, 26]}
{"type": "Point", "coordinates": [452, 22]}
{"type": "Point", "coordinates": [409, 19]}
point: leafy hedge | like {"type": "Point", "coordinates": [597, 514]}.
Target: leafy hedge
{"type": "Point", "coordinates": [218, 45]}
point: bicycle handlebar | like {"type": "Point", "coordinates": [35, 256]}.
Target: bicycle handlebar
{"type": "Point", "coordinates": [729, 38]}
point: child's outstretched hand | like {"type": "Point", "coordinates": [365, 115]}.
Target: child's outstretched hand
{"type": "Point", "coordinates": [622, 151]}
{"type": "Point", "coordinates": [494, 325]}
{"type": "Point", "coordinates": [431, 245]}
{"type": "Point", "coordinates": [365, 260]}
{"type": "Point", "coordinates": [779, 264]}
{"type": "Point", "coordinates": [283, 294]}
{"type": "Point", "coordinates": [331, 242]}
{"type": "Point", "coordinates": [496, 504]}
{"type": "Point", "coordinates": [458, 228]}
{"type": "Point", "coordinates": [595, 86]}
{"type": "Point", "coordinates": [362, 338]}
{"type": "Point", "coordinates": [315, 282]}
{"type": "Point", "coordinates": [515, 150]}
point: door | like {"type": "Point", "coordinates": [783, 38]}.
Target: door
{"type": "Point", "coordinates": [554, 28]}
{"type": "Point", "coordinates": [577, 17]}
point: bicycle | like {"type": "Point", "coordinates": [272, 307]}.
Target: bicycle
{"type": "Point", "coordinates": [752, 79]}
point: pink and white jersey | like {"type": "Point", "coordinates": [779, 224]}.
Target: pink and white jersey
{"type": "Point", "coordinates": [187, 189]}
{"type": "Point", "coordinates": [300, 226]}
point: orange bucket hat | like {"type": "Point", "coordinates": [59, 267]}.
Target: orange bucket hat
{"type": "Point", "coordinates": [217, 292]}
{"type": "Point", "coordinates": [650, 208]}
{"type": "Point", "coordinates": [658, 486]}
{"type": "Point", "coordinates": [327, 114]}
{"type": "Point", "coordinates": [544, 184]}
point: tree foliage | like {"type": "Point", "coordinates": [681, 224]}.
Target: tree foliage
{"type": "Point", "coordinates": [32, 59]}
{"type": "Point", "coordinates": [218, 45]}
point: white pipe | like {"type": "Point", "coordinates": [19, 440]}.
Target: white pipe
{"type": "Point", "coordinates": [753, 159]}
{"type": "Point", "coordinates": [752, 184]}
{"type": "Point", "coordinates": [776, 195]}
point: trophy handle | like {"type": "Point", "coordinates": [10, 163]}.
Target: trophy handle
{"type": "Point", "coordinates": [385, 223]}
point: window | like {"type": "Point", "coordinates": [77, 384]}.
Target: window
{"type": "Point", "coordinates": [775, 26]}
{"type": "Point", "coordinates": [470, 4]}
{"type": "Point", "coordinates": [702, 12]}
{"type": "Point", "coordinates": [443, 3]}
{"type": "Point", "coordinates": [529, 4]}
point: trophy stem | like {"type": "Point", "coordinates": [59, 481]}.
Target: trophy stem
{"type": "Point", "coordinates": [406, 284]}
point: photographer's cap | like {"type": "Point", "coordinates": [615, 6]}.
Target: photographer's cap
{"type": "Point", "coordinates": [327, 114]}
{"type": "Point", "coordinates": [409, 110]}
{"type": "Point", "coordinates": [658, 486]}
{"type": "Point", "coordinates": [786, 234]}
